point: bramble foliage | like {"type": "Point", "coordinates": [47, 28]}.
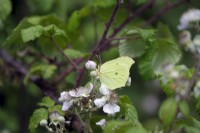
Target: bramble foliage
{"type": "Point", "coordinates": [111, 66]}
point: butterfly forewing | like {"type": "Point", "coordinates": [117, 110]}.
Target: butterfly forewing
{"type": "Point", "coordinates": [114, 73]}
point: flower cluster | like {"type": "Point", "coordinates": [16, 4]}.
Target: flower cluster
{"type": "Point", "coordinates": [189, 44]}
{"type": "Point", "coordinates": [189, 19]}
{"type": "Point", "coordinates": [55, 120]}
{"type": "Point", "coordinates": [74, 96]}
{"type": "Point", "coordinates": [95, 93]}
{"type": "Point", "coordinates": [175, 77]}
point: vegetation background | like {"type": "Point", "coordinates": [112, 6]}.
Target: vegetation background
{"type": "Point", "coordinates": [84, 27]}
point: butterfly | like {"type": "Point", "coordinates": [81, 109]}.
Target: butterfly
{"type": "Point", "coordinates": [114, 74]}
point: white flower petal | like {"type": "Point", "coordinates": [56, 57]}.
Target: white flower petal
{"type": "Point", "coordinates": [100, 102]}
{"type": "Point", "coordinates": [64, 96]}
{"type": "Point", "coordinates": [101, 123]}
{"type": "Point", "coordinates": [111, 108]}
{"type": "Point", "coordinates": [67, 105]}
{"type": "Point", "coordinates": [103, 90]}
{"type": "Point", "coordinates": [192, 15]}
{"type": "Point", "coordinates": [81, 91]}
{"type": "Point", "coordinates": [74, 93]}
{"type": "Point", "coordinates": [90, 88]}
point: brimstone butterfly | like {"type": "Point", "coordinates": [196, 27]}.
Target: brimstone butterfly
{"type": "Point", "coordinates": [114, 74]}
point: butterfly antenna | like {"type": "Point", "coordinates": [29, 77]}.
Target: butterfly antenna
{"type": "Point", "coordinates": [99, 59]}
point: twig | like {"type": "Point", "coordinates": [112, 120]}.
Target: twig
{"type": "Point", "coordinates": [132, 16]}
{"type": "Point", "coordinates": [101, 42]}
{"type": "Point", "coordinates": [162, 11]}
{"type": "Point", "coordinates": [64, 73]}
{"type": "Point", "coordinates": [61, 51]}
{"type": "Point", "coordinates": [121, 38]}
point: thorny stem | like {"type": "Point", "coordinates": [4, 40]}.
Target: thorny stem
{"type": "Point", "coordinates": [67, 57]}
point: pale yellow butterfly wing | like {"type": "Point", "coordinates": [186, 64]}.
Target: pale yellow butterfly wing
{"type": "Point", "coordinates": [114, 73]}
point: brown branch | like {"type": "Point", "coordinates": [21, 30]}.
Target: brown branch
{"type": "Point", "coordinates": [44, 86]}
{"type": "Point", "coordinates": [132, 16]}
{"type": "Point", "coordinates": [164, 10]}
{"type": "Point", "coordinates": [66, 72]}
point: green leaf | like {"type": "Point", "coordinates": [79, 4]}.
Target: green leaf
{"type": "Point", "coordinates": [57, 108]}
{"type": "Point", "coordinates": [14, 39]}
{"type": "Point", "coordinates": [38, 115]}
{"type": "Point", "coordinates": [184, 108]}
{"type": "Point", "coordinates": [164, 32]}
{"type": "Point", "coordinates": [5, 9]}
{"type": "Point", "coordinates": [131, 115]}
{"type": "Point", "coordinates": [167, 87]}
{"type": "Point", "coordinates": [40, 6]}
{"type": "Point", "coordinates": [44, 70]}
{"type": "Point", "coordinates": [167, 111]}
{"type": "Point", "coordinates": [75, 19]}
{"type": "Point", "coordinates": [129, 111]}
{"type": "Point", "coordinates": [192, 125]}
{"type": "Point", "coordinates": [145, 65]}
{"type": "Point", "coordinates": [46, 102]}
{"type": "Point", "coordinates": [189, 73]}
{"type": "Point", "coordinates": [37, 31]}
{"type": "Point", "coordinates": [31, 33]}
{"type": "Point", "coordinates": [137, 130]}
{"type": "Point", "coordinates": [191, 130]}
{"type": "Point", "coordinates": [132, 47]}
{"type": "Point", "coordinates": [117, 126]}
{"type": "Point", "coordinates": [147, 34]}
{"type": "Point", "coordinates": [103, 3]}
{"type": "Point", "coordinates": [165, 52]}
{"type": "Point", "coordinates": [74, 54]}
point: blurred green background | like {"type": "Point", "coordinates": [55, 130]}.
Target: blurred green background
{"type": "Point", "coordinates": [17, 101]}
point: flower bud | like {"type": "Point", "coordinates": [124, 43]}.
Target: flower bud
{"type": "Point", "coordinates": [93, 74]}
{"type": "Point", "coordinates": [43, 123]}
{"type": "Point", "coordinates": [90, 65]}
{"type": "Point", "coordinates": [128, 83]}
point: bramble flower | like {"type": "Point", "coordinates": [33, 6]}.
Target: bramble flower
{"type": "Point", "coordinates": [185, 40]}
{"type": "Point", "coordinates": [193, 15]}
{"type": "Point", "coordinates": [68, 98]}
{"type": "Point", "coordinates": [101, 123]}
{"type": "Point", "coordinates": [108, 101]}
{"type": "Point", "coordinates": [81, 91]}
{"type": "Point", "coordinates": [56, 118]}
{"type": "Point", "coordinates": [64, 96]}
{"type": "Point", "coordinates": [90, 65]}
